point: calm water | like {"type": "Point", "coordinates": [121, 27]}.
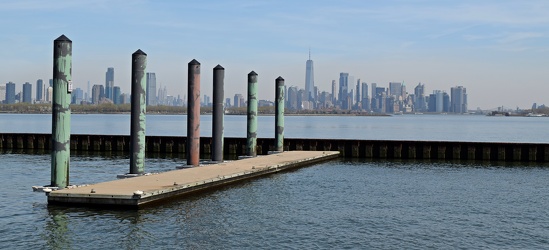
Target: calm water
{"type": "Point", "coordinates": [339, 204]}
{"type": "Point", "coordinates": [401, 127]}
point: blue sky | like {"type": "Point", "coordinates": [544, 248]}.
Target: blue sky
{"type": "Point", "coordinates": [498, 50]}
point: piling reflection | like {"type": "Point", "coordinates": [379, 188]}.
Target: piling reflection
{"type": "Point", "coordinates": [57, 232]}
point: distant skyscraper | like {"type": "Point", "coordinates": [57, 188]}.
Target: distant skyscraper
{"type": "Point", "coordinates": [77, 96]}
{"type": "Point", "coordinates": [49, 94]}
{"type": "Point", "coordinates": [27, 93]}
{"type": "Point", "coordinates": [98, 93]}
{"type": "Point", "coordinates": [88, 93]}
{"type": "Point", "coordinates": [395, 89]}
{"type": "Point", "coordinates": [420, 102]}
{"type": "Point", "coordinates": [365, 100]}
{"type": "Point", "coordinates": [51, 83]}
{"type": "Point", "coordinates": [39, 90]}
{"type": "Point", "coordinates": [358, 97]}
{"type": "Point", "coordinates": [151, 89]}
{"type": "Point", "coordinates": [343, 90]}
{"type": "Point", "coordinates": [334, 89]}
{"type": "Point", "coordinates": [439, 101]}
{"type": "Point", "coordinates": [458, 102]}
{"type": "Point", "coordinates": [116, 95]}
{"type": "Point", "coordinates": [292, 98]}
{"type": "Point", "coordinates": [109, 83]}
{"type": "Point", "coordinates": [309, 80]}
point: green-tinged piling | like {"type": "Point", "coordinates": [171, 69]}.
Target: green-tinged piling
{"type": "Point", "coordinates": [61, 112]}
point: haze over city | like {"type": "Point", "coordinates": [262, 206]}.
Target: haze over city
{"type": "Point", "coordinates": [493, 48]}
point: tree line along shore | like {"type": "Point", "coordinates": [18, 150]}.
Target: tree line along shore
{"type": "Point", "coordinates": [109, 108]}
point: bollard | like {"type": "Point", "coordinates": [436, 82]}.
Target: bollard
{"type": "Point", "coordinates": [193, 113]}
{"type": "Point", "coordinates": [138, 110]}
{"type": "Point", "coordinates": [61, 113]}
{"type": "Point", "coordinates": [279, 114]}
{"type": "Point", "coordinates": [218, 110]}
{"type": "Point", "coordinates": [252, 115]}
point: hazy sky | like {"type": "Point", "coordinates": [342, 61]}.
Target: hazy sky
{"type": "Point", "coordinates": [497, 49]}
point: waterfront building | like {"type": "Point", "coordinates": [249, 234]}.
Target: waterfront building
{"type": "Point", "coordinates": [458, 102]}
{"type": "Point", "coordinates": [27, 93]}
{"type": "Point", "coordinates": [227, 102]}
{"type": "Point", "coordinates": [39, 90]}
{"type": "Point", "coordinates": [49, 94]}
{"type": "Point", "coordinates": [10, 93]}
{"type": "Point", "coordinates": [109, 83]}
{"type": "Point", "coordinates": [309, 80]}
{"type": "Point", "coordinates": [151, 89]}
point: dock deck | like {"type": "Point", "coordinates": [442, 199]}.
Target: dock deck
{"type": "Point", "coordinates": [147, 189]}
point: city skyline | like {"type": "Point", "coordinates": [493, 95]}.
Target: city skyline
{"type": "Point", "coordinates": [494, 48]}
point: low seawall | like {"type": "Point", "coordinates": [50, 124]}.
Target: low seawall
{"type": "Point", "coordinates": [377, 149]}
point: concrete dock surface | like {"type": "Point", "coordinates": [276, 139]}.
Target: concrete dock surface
{"type": "Point", "coordinates": [148, 189]}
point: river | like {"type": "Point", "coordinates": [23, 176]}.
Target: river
{"type": "Point", "coordinates": [341, 204]}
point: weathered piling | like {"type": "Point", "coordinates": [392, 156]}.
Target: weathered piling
{"type": "Point", "coordinates": [252, 115]}
{"type": "Point", "coordinates": [193, 113]}
{"type": "Point", "coordinates": [279, 114]}
{"type": "Point", "coordinates": [217, 120]}
{"type": "Point", "coordinates": [138, 110]}
{"type": "Point", "coordinates": [61, 113]}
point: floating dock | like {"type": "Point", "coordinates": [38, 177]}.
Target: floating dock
{"type": "Point", "coordinates": [147, 189]}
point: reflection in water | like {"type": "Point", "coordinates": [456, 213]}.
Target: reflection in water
{"type": "Point", "coordinates": [58, 236]}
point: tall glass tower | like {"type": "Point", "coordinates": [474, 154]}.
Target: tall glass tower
{"type": "Point", "coordinates": [109, 83]}
{"type": "Point", "coordinates": [39, 90]}
{"type": "Point", "coordinates": [343, 90]}
{"type": "Point", "coordinates": [309, 80]}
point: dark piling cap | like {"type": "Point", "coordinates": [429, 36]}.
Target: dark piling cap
{"type": "Point", "coordinates": [194, 62]}
{"type": "Point", "coordinates": [279, 79]}
{"type": "Point", "coordinates": [218, 67]}
{"type": "Point", "coordinates": [63, 38]}
{"type": "Point", "coordinates": [252, 73]}
{"type": "Point", "coordinates": [139, 52]}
